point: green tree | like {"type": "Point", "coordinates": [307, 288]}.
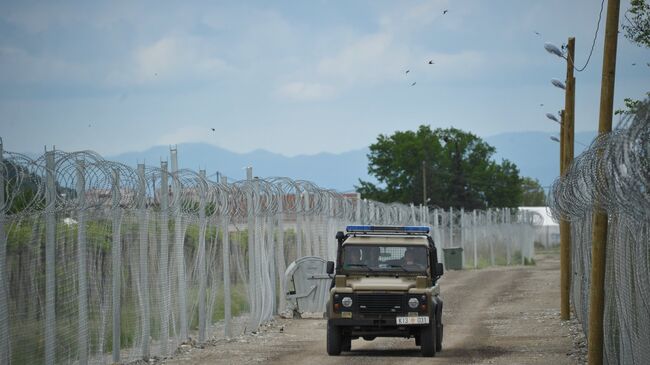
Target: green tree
{"type": "Point", "coordinates": [637, 28]}
{"type": "Point", "coordinates": [637, 31]}
{"type": "Point", "coordinates": [458, 167]}
{"type": "Point", "coordinates": [532, 193]}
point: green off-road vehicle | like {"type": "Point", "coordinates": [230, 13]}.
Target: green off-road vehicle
{"type": "Point", "coordinates": [385, 286]}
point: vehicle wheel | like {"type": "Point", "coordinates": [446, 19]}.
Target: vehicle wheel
{"type": "Point", "coordinates": [333, 340]}
{"type": "Point", "coordinates": [440, 327]}
{"type": "Point", "coordinates": [428, 339]}
{"type": "Point", "coordinates": [369, 338]}
{"type": "Point", "coordinates": [346, 343]}
{"type": "Point", "coordinates": [439, 338]}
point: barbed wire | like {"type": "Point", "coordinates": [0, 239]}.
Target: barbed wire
{"type": "Point", "coordinates": [613, 176]}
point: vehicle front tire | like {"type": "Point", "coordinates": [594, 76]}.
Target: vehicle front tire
{"type": "Point", "coordinates": [428, 340]}
{"type": "Point", "coordinates": [440, 327]}
{"type": "Point", "coordinates": [439, 338]}
{"type": "Point", "coordinates": [334, 339]}
{"type": "Point", "coordinates": [346, 343]}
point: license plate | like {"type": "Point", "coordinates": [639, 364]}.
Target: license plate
{"type": "Point", "coordinates": [412, 320]}
{"type": "Point", "coordinates": [346, 314]}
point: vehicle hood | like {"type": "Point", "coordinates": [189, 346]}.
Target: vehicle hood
{"type": "Point", "coordinates": [381, 283]}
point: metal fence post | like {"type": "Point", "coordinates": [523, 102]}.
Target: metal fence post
{"type": "Point", "coordinates": [489, 226]}
{"type": "Point", "coordinates": [201, 259]}
{"type": "Point", "coordinates": [4, 292]}
{"type": "Point", "coordinates": [474, 228]}
{"type": "Point", "coordinates": [508, 239]}
{"type": "Point", "coordinates": [179, 251]}
{"type": "Point", "coordinates": [225, 241]}
{"type": "Point", "coordinates": [462, 235]}
{"type": "Point", "coordinates": [50, 248]}
{"type": "Point", "coordinates": [116, 251]}
{"type": "Point", "coordinates": [451, 227]}
{"type": "Point", "coordinates": [164, 259]}
{"type": "Point", "coordinates": [143, 236]}
{"type": "Point", "coordinates": [280, 260]}
{"type": "Point", "coordinates": [358, 212]}
{"type": "Point", "coordinates": [81, 262]}
{"type": "Point", "coordinates": [252, 278]}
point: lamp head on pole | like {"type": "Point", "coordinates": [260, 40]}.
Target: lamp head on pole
{"type": "Point", "coordinates": [552, 117]}
{"type": "Point", "coordinates": [559, 84]}
{"type": "Point", "coordinates": [555, 139]}
{"type": "Point", "coordinates": [551, 48]}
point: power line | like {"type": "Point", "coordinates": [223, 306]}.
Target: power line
{"type": "Point", "coordinates": [600, 15]}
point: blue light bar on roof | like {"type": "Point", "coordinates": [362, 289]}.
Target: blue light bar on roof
{"type": "Point", "coordinates": [388, 229]}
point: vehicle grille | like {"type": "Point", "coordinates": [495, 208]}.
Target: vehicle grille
{"type": "Point", "coordinates": [380, 303]}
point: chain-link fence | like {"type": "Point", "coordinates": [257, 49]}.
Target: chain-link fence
{"type": "Point", "coordinates": [613, 176]}
{"type": "Point", "coordinates": [102, 263]}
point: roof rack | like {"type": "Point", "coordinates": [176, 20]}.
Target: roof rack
{"type": "Point", "coordinates": [388, 229]}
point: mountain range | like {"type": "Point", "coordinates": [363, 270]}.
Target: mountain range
{"type": "Point", "coordinates": [535, 154]}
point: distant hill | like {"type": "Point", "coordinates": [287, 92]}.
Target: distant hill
{"type": "Point", "coordinates": [533, 152]}
{"type": "Point", "coordinates": [333, 171]}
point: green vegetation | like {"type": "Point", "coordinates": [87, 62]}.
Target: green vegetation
{"type": "Point", "coordinates": [637, 31]}
{"type": "Point", "coordinates": [457, 165]}
{"type": "Point", "coordinates": [532, 193]}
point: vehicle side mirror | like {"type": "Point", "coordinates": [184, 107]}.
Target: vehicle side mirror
{"type": "Point", "coordinates": [439, 269]}
{"type": "Point", "coordinates": [330, 267]}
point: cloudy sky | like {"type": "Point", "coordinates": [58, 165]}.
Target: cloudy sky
{"type": "Point", "coordinates": [293, 77]}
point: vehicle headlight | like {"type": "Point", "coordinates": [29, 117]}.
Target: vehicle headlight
{"type": "Point", "coordinates": [414, 302]}
{"type": "Point", "coordinates": [347, 302]}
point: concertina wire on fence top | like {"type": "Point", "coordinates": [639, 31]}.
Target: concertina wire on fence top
{"type": "Point", "coordinates": [613, 176]}
{"type": "Point", "coordinates": [94, 253]}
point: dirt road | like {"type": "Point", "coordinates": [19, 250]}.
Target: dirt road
{"type": "Point", "coordinates": [506, 315]}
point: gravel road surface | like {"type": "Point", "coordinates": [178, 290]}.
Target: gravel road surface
{"type": "Point", "coordinates": [504, 315]}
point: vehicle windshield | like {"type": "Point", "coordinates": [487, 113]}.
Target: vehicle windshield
{"type": "Point", "coordinates": [385, 258]}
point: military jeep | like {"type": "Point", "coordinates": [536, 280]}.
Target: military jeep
{"type": "Point", "coordinates": [385, 285]}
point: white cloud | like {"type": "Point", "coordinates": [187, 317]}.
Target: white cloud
{"type": "Point", "coordinates": [177, 58]}
{"type": "Point", "coordinates": [373, 58]}
{"type": "Point", "coordinates": [303, 91]}
{"type": "Point", "coordinates": [383, 55]}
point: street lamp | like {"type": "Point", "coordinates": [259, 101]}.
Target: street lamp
{"type": "Point", "coordinates": [558, 83]}
{"type": "Point", "coordinates": [551, 48]}
{"type": "Point", "coordinates": [553, 118]}
{"type": "Point", "coordinates": [566, 156]}
{"type": "Point", "coordinates": [555, 139]}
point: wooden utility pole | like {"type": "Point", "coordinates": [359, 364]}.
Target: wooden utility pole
{"type": "Point", "coordinates": [599, 233]}
{"type": "Point", "coordinates": [424, 183]}
{"type": "Point", "coordinates": [567, 158]}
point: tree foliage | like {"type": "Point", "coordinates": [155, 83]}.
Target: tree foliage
{"type": "Point", "coordinates": [457, 166]}
{"type": "Point", "coordinates": [637, 28]}
{"type": "Point", "coordinates": [637, 31]}
{"type": "Point", "coordinates": [532, 193]}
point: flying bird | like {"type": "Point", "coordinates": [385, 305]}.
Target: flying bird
{"type": "Point", "coordinates": [431, 62]}
{"type": "Point", "coordinates": [634, 64]}
{"type": "Point", "coordinates": [407, 72]}
{"type": "Point", "coordinates": [536, 32]}
{"type": "Point", "coordinates": [413, 84]}
{"type": "Point", "coordinates": [212, 129]}
{"type": "Point", "coordinates": [541, 104]}
{"type": "Point", "coordinates": [444, 12]}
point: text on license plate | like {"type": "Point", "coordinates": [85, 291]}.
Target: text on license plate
{"type": "Point", "coordinates": [412, 320]}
